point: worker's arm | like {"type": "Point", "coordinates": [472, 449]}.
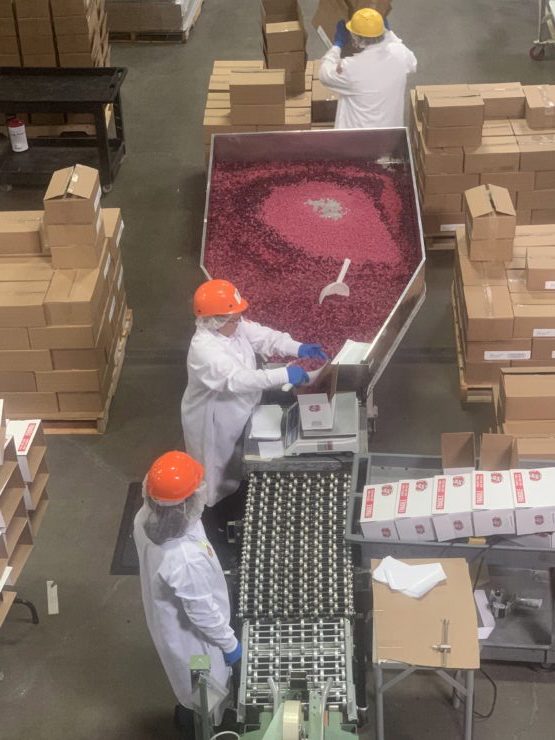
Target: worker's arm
{"type": "Point", "coordinates": [411, 61]}
{"type": "Point", "coordinates": [191, 584]}
{"type": "Point", "coordinates": [268, 342]}
{"type": "Point", "coordinates": [333, 72]}
{"type": "Point", "coordinates": [219, 373]}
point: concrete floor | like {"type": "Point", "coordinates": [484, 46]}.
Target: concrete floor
{"type": "Point", "coordinates": [91, 672]}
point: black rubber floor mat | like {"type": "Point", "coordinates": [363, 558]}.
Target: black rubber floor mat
{"type": "Point", "coordinates": [125, 561]}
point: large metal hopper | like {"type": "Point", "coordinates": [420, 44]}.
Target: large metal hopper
{"type": "Point", "coordinates": [379, 145]}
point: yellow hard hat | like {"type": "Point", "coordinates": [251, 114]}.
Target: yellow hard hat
{"type": "Point", "coordinates": [366, 22]}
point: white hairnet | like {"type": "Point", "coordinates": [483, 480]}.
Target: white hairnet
{"type": "Point", "coordinates": [170, 521]}
{"type": "Point", "coordinates": [362, 42]}
{"type": "Point", "coordinates": [213, 323]}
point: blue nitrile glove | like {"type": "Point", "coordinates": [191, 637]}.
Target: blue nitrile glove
{"type": "Point", "coordinates": [312, 350]}
{"type": "Point", "coordinates": [296, 375]}
{"type": "Point", "coordinates": [341, 34]}
{"type": "Point", "coordinates": [234, 655]}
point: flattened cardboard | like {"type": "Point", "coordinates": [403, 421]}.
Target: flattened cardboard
{"type": "Point", "coordinates": [406, 629]}
{"type": "Point", "coordinates": [73, 196]}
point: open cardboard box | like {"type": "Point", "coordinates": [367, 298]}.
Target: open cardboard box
{"type": "Point", "coordinates": [458, 453]}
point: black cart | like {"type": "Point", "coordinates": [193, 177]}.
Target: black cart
{"type": "Point", "coordinates": [62, 90]}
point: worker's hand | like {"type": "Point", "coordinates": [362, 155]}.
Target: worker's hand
{"type": "Point", "coordinates": [296, 375]}
{"type": "Point", "coordinates": [312, 350]}
{"type": "Point", "coordinates": [234, 655]}
{"type": "Point", "coordinates": [341, 34]}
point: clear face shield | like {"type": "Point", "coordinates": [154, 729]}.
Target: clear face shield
{"type": "Point", "coordinates": [170, 521]}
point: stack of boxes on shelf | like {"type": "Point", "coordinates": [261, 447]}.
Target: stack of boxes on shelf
{"type": "Point", "coordinates": [498, 498]}
{"type": "Point", "coordinates": [243, 96]}
{"type": "Point", "coordinates": [504, 289]}
{"type": "Point", "coordinates": [324, 101]}
{"type": "Point", "coordinates": [62, 301]}
{"type": "Point", "coordinates": [50, 33]}
{"type": "Point", "coordinates": [152, 17]}
{"type": "Point", "coordinates": [23, 499]}
{"type": "Point", "coordinates": [467, 135]}
{"type": "Point", "coordinates": [284, 42]}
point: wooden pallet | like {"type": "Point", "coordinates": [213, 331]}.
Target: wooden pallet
{"type": "Point", "coordinates": [149, 37]}
{"type": "Point", "coordinates": [439, 243]}
{"type": "Point", "coordinates": [66, 422]}
{"type": "Point", "coordinates": [469, 393]}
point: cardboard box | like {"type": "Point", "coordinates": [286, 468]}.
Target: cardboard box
{"type": "Point", "coordinates": [504, 351]}
{"type": "Point", "coordinates": [528, 395]}
{"type": "Point", "coordinates": [113, 228]}
{"type": "Point", "coordinates": [490, 250]}
{"type": "Point", "coordinates": [476, 274]}
{"type": "Point", "coordinates": [78, 255]}
{"type": "Point", "coordinates": [540, 106]}
{"type": "Point", "coordinates": [279, 37]}
{"type": "Point", "coordinates": [79, 359]}
{"type": "Point", "coordinates": [482, 373]}
{"type": "Point", "coordinates": [440, 184]}
{"type": "Point", "coordinates": [10, 47]}
{"type": "Point", "coordinates": [487, 313]}
{"type": "Point", "coordinates": [260, 88]}
{"type": "Point", "coordinates": [37, 45]}
{"type": "Point", "coordinates": [22, 303]}
{"type": "Point", "coordinates": [10, 60]}
{"type": "Point", "coordinates": [7, 26]}
{"type": "Point", "coordinates": [537, 152]}
{"type": "Point", "coordinates": [490, 213]}
{"type": "Point", "coordinates": [290, 61]}
{"type": "Point", "coordinates": [452, 506]}
{"type": "Point", "coordinates": [20, 232]}
{"type": "Point", "coordinates": [437, 203]}
{"type": "Point", "coordinates": [543, 349]}
{"type": "Point", "coordinates": [326, 17]}
{"type": "Point", "coordinates": [414, 510]}
{"type": "Point", "coordinates": [534, 500]}
{"type": "Point", "coordinates": [27, 360]}
{"type": "Point", "coordinates": [544, 180]}
{"type": "Point", "coordinates": [453, 111]}
{"type": "Point", "coordinates": [76, 25]}
{"type": "Point", "coordinates": [497, 452]}
{"type": "Point", "coordinates": [535, 448]}
{"type": "Point", "coordinates": [441, 91]}
{"type": "Point", "coordinates": [77, 60]}
{"type": "Point", "coordinates": [452, 136]}
{"type": "Point", "coordinates": [543, 216]}
{"type": "Point", "coordinates": [377, 519]}
{"type": "Point", "coordinates": [446, 160]}
{"type": "Point", "coordinates": [497, 128]}
{"type": "Point", "coordinates": [537, 199]}
{"type": "Point", "coordinates": [74, 44]}
{"type": "Point", "coordinates": [540, 271]}
{"type": "Point", "coordinates": [512, 181]}
{"type": "Point", "coordinates": [70, 381]}
{"type": "Point", "coordinates": [69, 7]}
{"type": "Point", "coordinates": [458, 453]}
{"type": "Point", "coordinates": [495, 154]}
{"type": "Point", "coordinates": [324, 103]}
{"type": "Point", "coordinates": [18, 404]}
{"type": "Point", "coordinates": [14, 338]}
{"type": "Point", "coordinates": [40, 60]}
{"type": "Point", "coordinates": [73, 196]}
{"type": "Point", "coordinates": [442, 223]}
{"type": "Point", "coordinates": [253, 114]}
{"type": "Point", "coordinates": [501, 99]}
{"type": "Point", "coordinates": [17, 382]}
{"type": "Point", "coordinates": [531, 317]}
{"type": "Point", "coordinates": [492, 503]}
{"type": "Point", "coordinates": [82, 402]}
{"type": "Point", "coordinates": [529, 428]}
{"type": "Point", "coordinates": [30, 446]}
{"type": "Point", "coordinates": [31, 28]}
{"type": "Point", "coordinates": [32, 9]}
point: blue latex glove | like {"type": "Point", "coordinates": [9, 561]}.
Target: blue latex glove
{"type": "Point", "coordinates": [234, 655]}
{"type": "Point", "coordinates": [312, 350]}
{"type": "Point", "coordinates": [296, 375]}
{"type": "Point", "coordinates": [341, 34]}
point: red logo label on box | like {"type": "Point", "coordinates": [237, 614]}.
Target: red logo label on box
{"type": "Point", "coordinates": [535, 475]}
{"type": "Point", "coordinates": [419, 529]}
{"type": "Point", "coordinates": [458, 481]}
{"type": "Point", "coordinates": [538, 519]}
{"type": "Point", "coordinates": [519, 488]}
{"type": "Point", "coordinates": [496, 521]}
{"type": "Point", "coordinates": [314, 407]}
{"type": "Point", "coordinates": [496, 477]}
{"type": "Point", "coordinates": [369, 508]}
{"type": "Point", "coordinates": [386, 532]}
{"type": "Point", "coordinates": [421, 485]}
{"type": "Point", "coordinates": [403, 498]}
{"type": "Point", "coordinates": [458, 525]}
{"type": "Point", "coordinates": [440, 496]}
{"type": "Point", "coordinates": [27, 437]}
{"type": "Point", "coordinates": [387, 490]}
{"type": "Point", "coordinates": [479, 488]}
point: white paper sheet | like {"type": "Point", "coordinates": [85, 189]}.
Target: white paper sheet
{"type": "Point", "coordinates": [271, 450]}
{"type": "Point", "coordinates": [412, 580]}
{"type": "Point", "coordinates": [486, 617]}
{"type": "Point", "coordinates": [266, 422]}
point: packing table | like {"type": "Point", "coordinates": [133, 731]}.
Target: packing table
{"type": "Point", "coordinates": [61, 90]}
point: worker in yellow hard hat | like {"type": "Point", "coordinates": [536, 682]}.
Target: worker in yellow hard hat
{"type": "Point", "coordinates": [370, 85]}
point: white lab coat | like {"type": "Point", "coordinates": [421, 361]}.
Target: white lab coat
{"type": "Point", "coordinates": [186, 604]}
{"type": "Point", "coordinates": [223, 388]}
{"type": "Point", "coordinates": [371, 85]}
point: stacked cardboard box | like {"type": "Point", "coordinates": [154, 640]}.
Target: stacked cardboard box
{"type": "Point", "coordinates": [152, 16]}
{"type": "Point", "coordinates": [293, 113]}
{"type": "Point", "coordinates": [284, 42]}
{"type": "Point", "coordinates": [449, 159]}
{"type": "Point", "coordinates": [324, 101]}
{"type": "Point", "coordinates": [23, 499]}
{"type": "Point", "coordinates": [62, 301]}
{"type": "Point", "coordinates": [50, 33]}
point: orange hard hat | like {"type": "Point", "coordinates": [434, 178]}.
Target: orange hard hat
{"type": "Point", "coordinates": [218, 298]}
{"type": "Point", "coordinates": [173, 477]}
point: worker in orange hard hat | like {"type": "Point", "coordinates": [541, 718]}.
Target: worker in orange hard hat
{"type": "Point", "coordinates": [224, 384]}
{"type": "Point", "coordinates": [183, 587]}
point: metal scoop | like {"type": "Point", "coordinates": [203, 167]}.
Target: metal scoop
{"type": "Point", "coordinates": [339, 287]}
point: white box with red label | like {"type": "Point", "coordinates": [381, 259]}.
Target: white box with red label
{"type": "Point", "coordinates": [492, 503]}
{"type": "Point", "coordinates": [452, 506]}
{"type": "Point", "coordinates": [534, 500]}
{"type": "Point", "coordinates": [30, 446]}
{"type": "Point", "coordinates": [377, 516]}
{"type": "Point", "coordinates": [413, 514]}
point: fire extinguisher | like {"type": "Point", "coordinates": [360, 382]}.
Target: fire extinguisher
{"type": "Point", "coordinates": [18, 137]}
